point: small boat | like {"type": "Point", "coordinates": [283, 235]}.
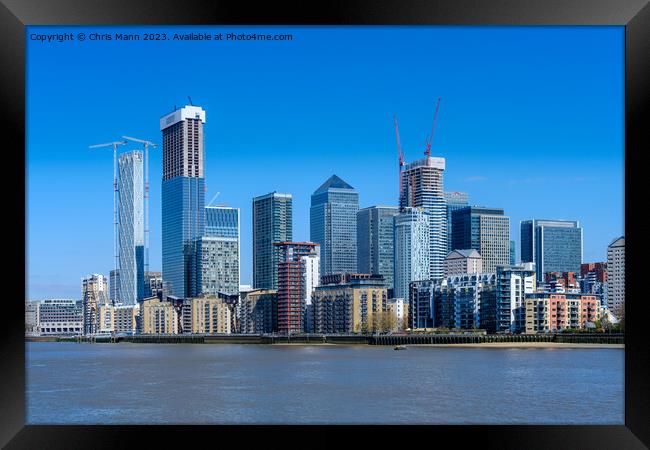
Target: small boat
{"type": "Point", "coordinates": [400, 347]}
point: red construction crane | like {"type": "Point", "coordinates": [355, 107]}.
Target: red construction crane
{"type": "Point", "coordinates": [427, 149]}
{"type": "Point", "coordinates": [400, 155]}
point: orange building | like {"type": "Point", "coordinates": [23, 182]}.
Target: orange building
{"type": "Point", "coordinates": [552, 312]}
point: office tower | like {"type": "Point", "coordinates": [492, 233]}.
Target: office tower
{"type": "Point", "coordinates": [553, 245]}
{"type": "Point", "coordinates": [58, 316]}
{"type": "Point", "coordinates": [183, 198]}
{"type": "Point", "coordinates": [94, 294]}
{"type": "Point", "coordinates": [513, 254]}
{"type": "Point", "coordinates": [412, 249]}
{"type": "Point", "coordinates": [375, 252]}
{"type": "Point", "coordinates": [422, 187]}
{"type": "Point", "coordinates": [272, 223]}
{"type": "Point", "coordinates": [114, 285]}
{"type": "Point", "coordinates": [486, 230]}
{"type": "Point", "coordinates": [333, 225]}
{"type": "Point", "coordinates": [350, 303]}
{"type": "Point", "coordinates": [291, 292]}
{"type": "Point", "coordinates": [616, 277]}
{"type": "Point", "coordinates": [463, 261]}
{"type": "Point", "coordinates": [153, 283]}
{"type": "Point", "coordinates": [455, 201]}
{"type": "Point", "coordinates": [219, 251]}
{"type": "Point", "coordinates": [131, 251]}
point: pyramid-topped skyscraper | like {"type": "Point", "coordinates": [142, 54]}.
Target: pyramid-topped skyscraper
{"type": "Point", "coordinates": [333, 225]}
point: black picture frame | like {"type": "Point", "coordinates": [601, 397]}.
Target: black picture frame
{"type": "Point", "coordinates": [633, 14]}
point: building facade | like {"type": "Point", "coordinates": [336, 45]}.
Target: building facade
{"type": "Point", "coordinates": [333, 225]}
{"type": "Point", "coordinates": [291, 287]}
{"type": "Point", "coordinates": [130, 186]}
{"type": "Point", "coordinates": [455, 201]}
{"type": "Point", "coordinates": [412, 231]}
{"type": "Point", "coordinates": [349, 303]}
{"type": "Point", "coordinates": [183, 198]}
{"type": "Point", "coordinates": [125, 318]}
{"type": "Point", "coordinates": [258, 311]}
{"type": "Point", "coordinates": [422, 187]}
{"type": "Point", "coordinates": [219, 251]}
{"type": "Point", "coordinates": [207, 315]}
{"type": "Point", "coordinates": [550, 313]}
{"type": "Point", "coordinates": [553, 245]}
{"type": "Point", "coordinates": [94, 293]}
{"type": "Point", "coordinates": [158, 317]}
{"type": "Point", "coordinates": [593, 280]}
{"type": "Point", "coordinates": [114, 285]}
{"type": "Point", "coordinates": [616, 277]}
{"type": "Point", "coordinates": [153, 283]}
{"type": "Point", "coordinates": [486, 230]}
{"type": "Point", "coordinates": [505, 312]}
{"type": "Point", "coordinates": [375, 242]}
{"type": "Point", "coordinates": [460, 262]}
{"type": "Point", "coordinates": [59, 317]}
{"type": "Point", "coordinates": [272, 223]}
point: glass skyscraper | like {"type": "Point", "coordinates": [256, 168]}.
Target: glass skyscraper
{"type": "Point", "coordinates": [486, 230]}
{"type": "Point", "coordinates": [183, 199]}
{"type": "Point", "coordinates": [333, 225]}
{"type": "Point", "coordinates": [375, 237]}
{"type": "Point", "coordinates": [412, 249]}
{"type": "Point", "coordinates": [422, 187]}
{"type": "Point", "coordinates": [131, 248]}
{"type": "Point", "coordinates": [455, 201]}
{"type": "Point", "coordinates": [219, 251]}
{"type": "Point", "coordinates": [553, 245]}
{"type": "Point", "coordinates": [272, 223]}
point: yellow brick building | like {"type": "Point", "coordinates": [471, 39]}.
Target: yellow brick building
{"type": "Point", "coordinates": [210, 315]}
{"type": "Point", "coordinates": [158, 317]}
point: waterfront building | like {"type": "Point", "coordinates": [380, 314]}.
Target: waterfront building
{"type": "Point", "coordinates": [31, 316]}
{"type": "Point", "coordinates": [258, 311]}
{"type": "Point", "coordinates": [153, 283]}
{"type": "Point", "coordinates": [59, 316]}
{"type": "Point", "coordinates": [333, 225]}
{"type": "Point", "coordinates": [291, 289]}
{"type": "Point", "coordinates": [94, 293]}
{"type": "Point", "coordinates": [460, 262]}
{"type": "Point", "coordinates": [206, 315]}
{"type": "Point", "coordinates": [105, 318]}
{"type": "Point", "coordinates": [553, 245]}
{"type": "Point", "coordinates": [616, 277]}
{"type": "Point", "coordinates": [114, 285]}
{"type": "Point", "coordinates": [219, 251]}
{"type": "Point", "coordinates": [420, 313]}
{"type": "Point", "coordinates": [349, 303]}
{"type": "Point", "coordinates": [422, 187]}
{"type": "Point", "coordinates": [399, 309]}
{"type": "Point", "coordinates": [455, 201]}
{"type": "Point", "coordinates": [506, 310]}
{"type": "Point", "coordinates": [513, 253]}
{"type": "Point", "coordinates": [551, 312]}
{"type": "Point", "coordinates": [486, 230]}
{"type": "Point", "coordinates": [310, 279]}
{"type": "Point", "coordinates": [412, 232]}
{"type": "Point", "coordinates": [272, 223]}
{"type": "Point", "coordinates": [158, 317]}
{"type": "Point", "coordinates": [183, 198]}
{"type": "Point", "coordinates": [375, 239]}
{"type": "Point", "coordinates": [125, 318]}
{"type": "Point", "coordinates": [131, 244]}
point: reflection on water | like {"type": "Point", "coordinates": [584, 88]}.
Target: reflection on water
{"type": "Point", "coordinates": [183, 383]}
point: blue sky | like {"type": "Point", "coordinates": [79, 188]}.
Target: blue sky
{"type": "Point", "coordinates": [531, 120]}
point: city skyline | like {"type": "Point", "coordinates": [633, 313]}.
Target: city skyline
{"type": "Point", "coordinates": [594, 169]}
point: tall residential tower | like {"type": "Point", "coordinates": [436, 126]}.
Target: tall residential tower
{"type": "Point", "coordinates": [183, 198]}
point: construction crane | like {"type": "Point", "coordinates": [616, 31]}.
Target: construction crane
{"type": "Point", "coordinates": [146, 145]}
{"type": "Point", "coordinates": [427, 148]}
{"type": "Point", "coordinates": [400, 155]}
{"type": "Point", "coordinates": [114, 145]}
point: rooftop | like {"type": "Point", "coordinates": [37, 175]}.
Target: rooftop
{"type": "Point", "coordinates": [334, 182]}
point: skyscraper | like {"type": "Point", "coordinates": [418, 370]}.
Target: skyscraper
{"type": "Point", "coordinates": [375, 237]}
{"type": "Point", "coordinates": [553, 245]}
{"type": "Point", "coordinates": [412, 249]}
{"type": "Point", "coordinates": [291, 285]}
{"type": "Point", "coordinates": [183, 198]}
{"type": "Point", "coordinates": [455, 201]}
{"type": "Point", "coordinates": [219, 251]}
{"type": "Point", "coordinates": [616, 277]}
{"type": "Point", "coordinates": [333, 225]}
{"type": "Point", "coordinates": [272, 223]}
{"type": "Point", "coordinates": [486, 230]}
{"type": "Point", "coordinates": [513, 253]}
{"type": "Point", "coordinates": [422, 187]}
{"type": "Point", "coordinates": [130, 186]}
{"type": "Point", "coordinates": [114, 285]}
